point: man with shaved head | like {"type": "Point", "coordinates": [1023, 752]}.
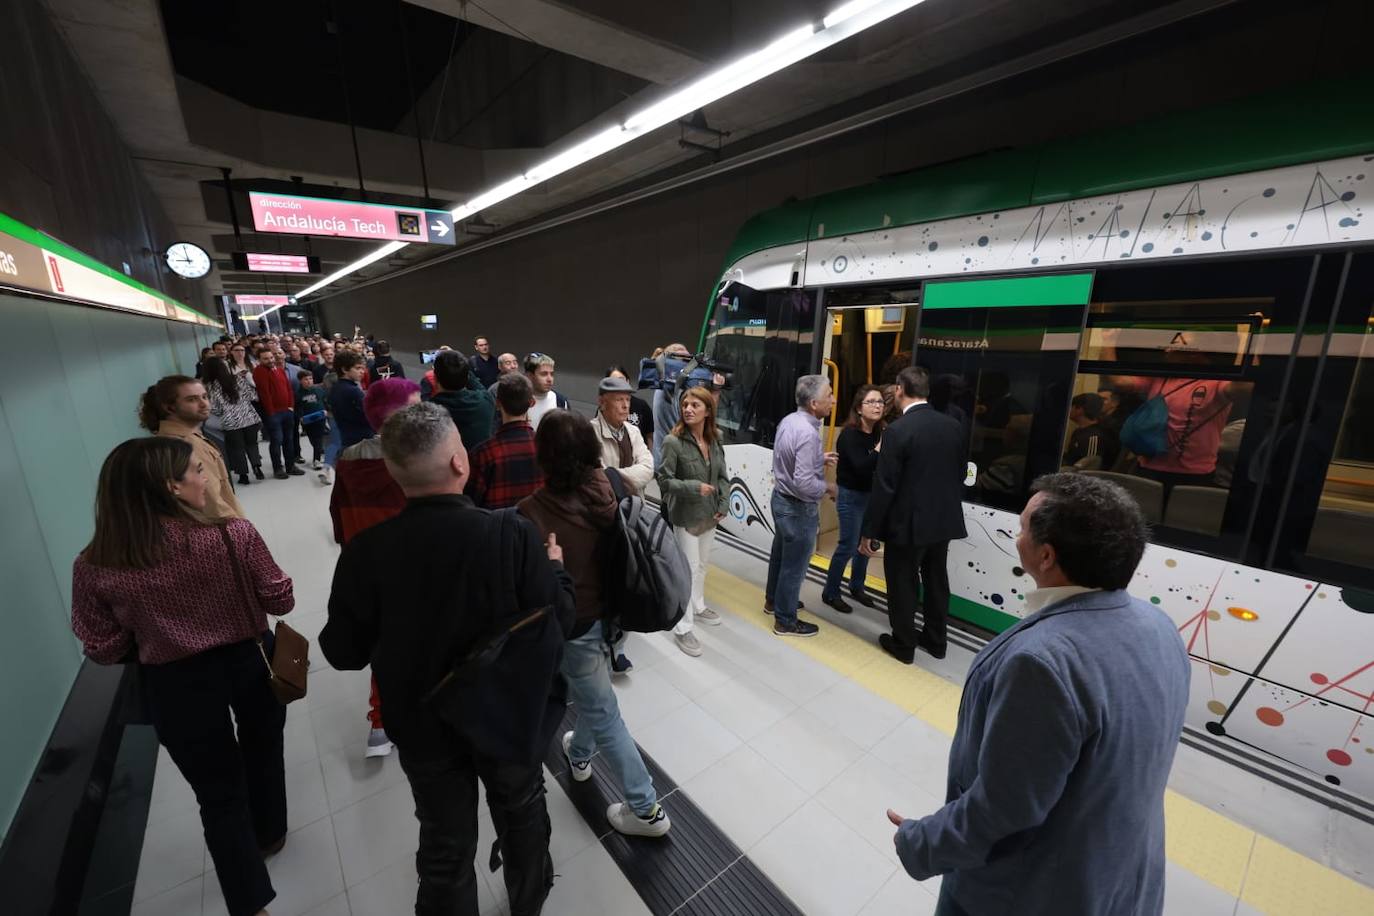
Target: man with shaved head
{"type": "Point", "coordinates": [462, 614]}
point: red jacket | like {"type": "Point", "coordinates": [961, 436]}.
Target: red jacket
{"type": "Point", "coordinates": [364, 491]}
{"type": "Point", "coordinates": [274, 391]}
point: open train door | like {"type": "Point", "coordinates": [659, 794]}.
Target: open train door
{"type": "Point", "coordinates": [1002, 355]}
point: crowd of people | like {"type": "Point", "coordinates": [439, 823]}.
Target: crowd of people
{"type": "Point", "coordinates": [501, 504]}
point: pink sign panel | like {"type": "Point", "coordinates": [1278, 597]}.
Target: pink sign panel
{"type": "Point", "coordinates": [265, 301]}
{"type": "Point", "coordinates": [317, 216]}
{"type": "Point", "coordinates": [279, 263]}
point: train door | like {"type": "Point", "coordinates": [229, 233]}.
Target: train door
{"type": "Point", "coordinates": [868, 335]}
{"type": "Point", "coordinates": [1002, 354]}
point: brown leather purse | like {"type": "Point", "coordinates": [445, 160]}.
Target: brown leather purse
{"type": "Point", "coordinates": [289, 667]}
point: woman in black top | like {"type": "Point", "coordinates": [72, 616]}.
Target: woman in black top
{"type": "Point", "coordinates": [858, 448]}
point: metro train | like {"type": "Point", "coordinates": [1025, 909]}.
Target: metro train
{"type": "Point", "coordinates": [1227, 252]}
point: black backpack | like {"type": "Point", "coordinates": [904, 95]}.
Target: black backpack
{"type": "Point", "coordinates": [646, 582]}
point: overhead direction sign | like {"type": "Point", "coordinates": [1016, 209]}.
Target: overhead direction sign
{"type": "Point", "coordinates": [276, 263]}
{"type": "Point", "coordinates": [352, 219]}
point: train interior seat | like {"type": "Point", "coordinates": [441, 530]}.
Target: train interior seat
{"type": "Point", "coordinates": [1198, 509]}
{"type": "Point", "coordinates": [1342, 535]}
{"type": "Point", "coordinates": [1149, 493]}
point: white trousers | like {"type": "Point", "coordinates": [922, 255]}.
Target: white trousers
{"type": "Point", "coordinates": [697, 549]}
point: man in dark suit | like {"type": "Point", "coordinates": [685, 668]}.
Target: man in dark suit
{"type": "Point", "coordinates": [916, 509]}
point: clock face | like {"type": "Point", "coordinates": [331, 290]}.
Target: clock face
{"type": "Point", "coordinates": [187, 260]}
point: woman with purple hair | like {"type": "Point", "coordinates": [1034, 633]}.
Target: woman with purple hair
{"type": "Point", "coordinates": [365, 494]}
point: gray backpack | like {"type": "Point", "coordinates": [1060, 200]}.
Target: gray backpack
{"type": "Point", "coordinates": [646, 581]}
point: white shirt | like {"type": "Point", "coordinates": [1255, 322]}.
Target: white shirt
{"type": "Point", "coordinates": [1043, 597]}
{"type": "Point", "coordinates": [542, 406]}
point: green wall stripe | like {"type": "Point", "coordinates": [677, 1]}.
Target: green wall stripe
{"type": "Point", "coordinates": [12, 226]}
{"type": "Point", "coordinates": [1008, 292]}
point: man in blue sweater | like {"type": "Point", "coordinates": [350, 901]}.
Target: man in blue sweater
{"type": "Point", "coordinates": [346, 399]}
{"type": "Point", "coordinates": [1066, 732]}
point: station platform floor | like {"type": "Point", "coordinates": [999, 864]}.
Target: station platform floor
{"type": "Point", "coordinates": [792, 750]}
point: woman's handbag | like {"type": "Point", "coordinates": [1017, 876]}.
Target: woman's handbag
{"type": "Point", "coordinates": [289, 666]}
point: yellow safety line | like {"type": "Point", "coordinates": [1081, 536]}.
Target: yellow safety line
{"type": "Point", "coordinates": [1267, 875]}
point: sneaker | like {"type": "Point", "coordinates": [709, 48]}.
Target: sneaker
{"type": "Point", "coordinates": [688, 643]}
{"type": "Point", "coordinates": [624, 820]}
{"type": "Point", "coordinates": [801, 628]}
{"type": "Point", "coordinates": [327, 475]}
{"type": "Point", "coordinates": [257, 472]}
{"type": "Point", "coordinates": [299, 459]}
{"type": "Point", "coordinates": [294, 471]}
{"type": "Point", "coordinates": [838, 604]}
{"type": "Point", "coordinates": [581, 772]}
{"type": "Point", "coordinates": [709, 617]}
{"type": "Point", "coordinates": [621, 665]}
{"type": "Point", "coordinates": [280, 475]}
{"type": "Point", "coordinates": [316, 464]}
{"type": "Point", "coordinates": [378, 744]}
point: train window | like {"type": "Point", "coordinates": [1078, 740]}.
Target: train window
{"type": "Point", "coordinates": [1181, 376]}
{"type": "Point", "coordinates": [1328, 531]}
{"type": "Point", "coordinates": [1005, 374]}
{"type": "Point", "coordinates": [764, 338]}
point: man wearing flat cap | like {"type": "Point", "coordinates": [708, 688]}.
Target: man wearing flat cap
{"type": "Point", "coordinates": [622, 446]}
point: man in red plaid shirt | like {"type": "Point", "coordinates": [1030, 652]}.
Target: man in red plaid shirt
{"type": "Point", "coordinates": [504, 470]}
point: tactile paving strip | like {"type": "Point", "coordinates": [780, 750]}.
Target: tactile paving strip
{"type": "Point", "coordinates": [696, 868]}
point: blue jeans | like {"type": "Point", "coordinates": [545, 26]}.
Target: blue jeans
{"type": "Point", "coordinates": [850, 506]}
{"type": "Point", "coordinates": [335, 445]}
{"type": "Point", "coordinates": [281, 444]}
{"type": "Point", "coordinates": [587, 667]}
{"type": "Point", "coordinates": [795, 524]}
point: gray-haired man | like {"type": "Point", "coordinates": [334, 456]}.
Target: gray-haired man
{"type": "Point", "coordinates": [799, 485]}
{"type": "Point", "coordinates": [443, 607]}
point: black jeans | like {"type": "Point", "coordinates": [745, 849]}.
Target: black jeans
{"type": "Point", "coordinates": [240, 784]}
{"type": "Point", "coordinates": [241, 447]}
{"type": "Point", "coordinates": [906, 566]}
{"type": "Point", "coordinates": [315, 432]}
{"type": "Point", "coordinates": [445, 790]}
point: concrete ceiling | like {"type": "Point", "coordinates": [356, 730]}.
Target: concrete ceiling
{"type": "Point", "coordinates": [182, 132]}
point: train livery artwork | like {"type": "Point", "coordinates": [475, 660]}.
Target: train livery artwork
{"type": "Point", "coordinates": [1238, 304]}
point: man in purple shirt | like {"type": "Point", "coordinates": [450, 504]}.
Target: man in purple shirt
{"type": "Point", "coordinates": [799, 485]}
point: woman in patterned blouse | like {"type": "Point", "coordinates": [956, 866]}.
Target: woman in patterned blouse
{"type": "Point", "coordinates": [231, 399]}
{"type": "Point", "coordinates": [156, 586]}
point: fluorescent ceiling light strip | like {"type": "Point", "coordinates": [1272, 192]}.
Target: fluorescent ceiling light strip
{"type": "Point", "coordinates": [388, 248]}
{"type": "Point", "coordinates": [846, 21]}
{"type": "Point", "coordinates": [846, 11]}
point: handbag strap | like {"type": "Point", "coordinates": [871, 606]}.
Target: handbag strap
{"type": "Point", "coordinates": [244, 592]}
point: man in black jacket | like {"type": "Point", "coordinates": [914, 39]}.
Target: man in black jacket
{"type": "Point", "coordinates": [424, 591]}
{"type": "Point", "coordinates": [916, 509]}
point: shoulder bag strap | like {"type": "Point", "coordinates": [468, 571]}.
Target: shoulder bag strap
{"type": "Point", "coordinates": [240, 580]}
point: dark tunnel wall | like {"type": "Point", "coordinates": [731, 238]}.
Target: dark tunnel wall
{"type": "Point", "coordinates": [609, 288]}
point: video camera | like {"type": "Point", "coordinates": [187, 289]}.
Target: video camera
{"type": "Point", "coordinates": [675, 372]}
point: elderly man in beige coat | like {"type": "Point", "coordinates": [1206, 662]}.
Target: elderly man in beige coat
{"type": "Point", "coordinates": [622, 445]}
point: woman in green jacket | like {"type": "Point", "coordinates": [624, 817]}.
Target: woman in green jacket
{"type": "Point", "coordinates": [696, 490]}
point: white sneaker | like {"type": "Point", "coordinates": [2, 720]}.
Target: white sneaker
{"type": "Point", "coordinates": [317, 464]}
{"type": "Point", "coordinates": [581, 772]}
{"type": "Point", "coordinates": [624, 820]}
{"type": "Point", "coordinates": [707, 616]}
{"type": "Point", "coordinates": [688, 643]}
{"type": "Point", "coordinates": [378, 744]}
{"type": "Point", "coordinates": [327, 475]}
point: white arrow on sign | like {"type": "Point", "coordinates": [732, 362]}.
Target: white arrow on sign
{"type": "Point", "coordinates": [440, 229]}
